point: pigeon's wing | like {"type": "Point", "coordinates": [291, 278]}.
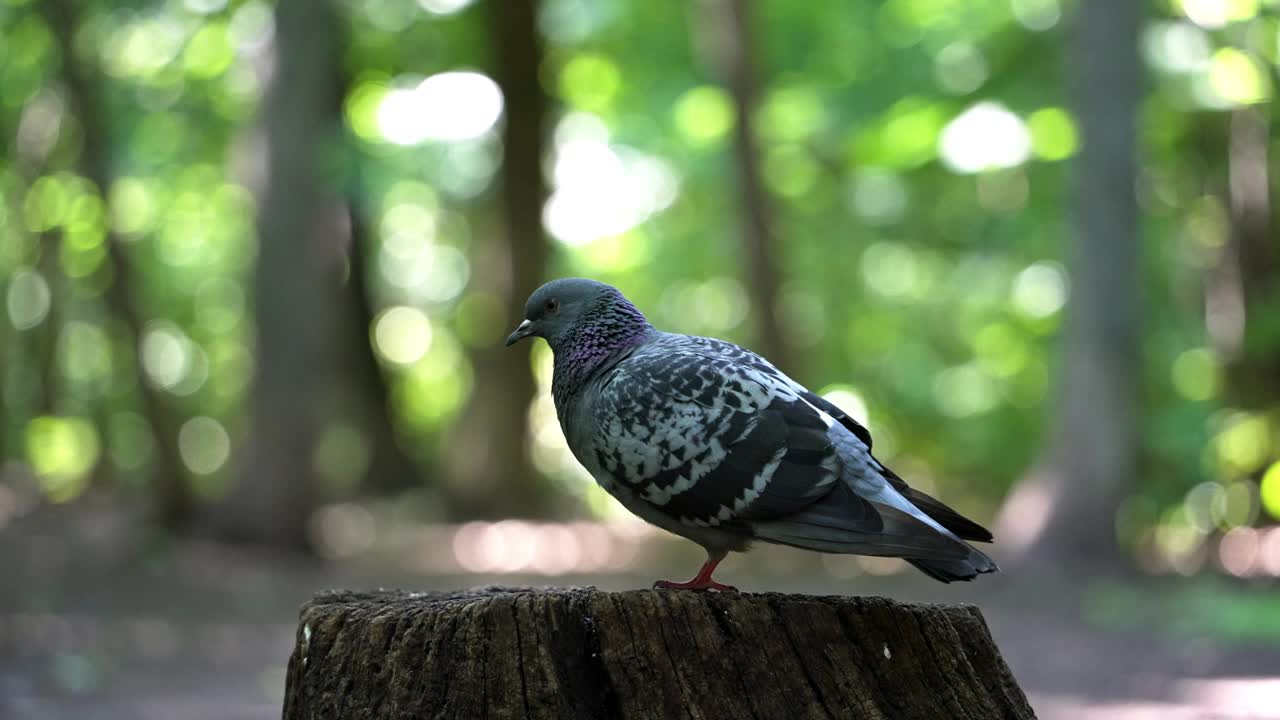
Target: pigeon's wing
{"type": "Point", "coordinates": [962, 526]}
{"type": "Point", "coordinates": [711, 435]}
{"type": "Point", "coordinates": [710, 441]}
{"type": "Point", "coordinates": [838, 415]}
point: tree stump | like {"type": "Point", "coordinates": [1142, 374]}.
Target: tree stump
{"type": "Point", "coordinates": [583, 653]}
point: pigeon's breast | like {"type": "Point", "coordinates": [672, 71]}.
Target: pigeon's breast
{"type": "Point", "coordinates": [578, 421]}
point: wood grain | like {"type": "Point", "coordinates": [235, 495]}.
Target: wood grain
{"type": "Point", "coordinates": [583, 653]}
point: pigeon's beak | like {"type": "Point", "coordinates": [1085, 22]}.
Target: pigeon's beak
{"type": "Point", "coordinates": [524, 330]}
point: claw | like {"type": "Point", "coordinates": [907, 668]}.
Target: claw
{"type": "Point", "coordinates": [701, 581]}
{"type": "Point", "coordinates": [694, 584]}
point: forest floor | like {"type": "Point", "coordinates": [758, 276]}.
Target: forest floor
{"type": "Point", "coordinates": [91, 627]}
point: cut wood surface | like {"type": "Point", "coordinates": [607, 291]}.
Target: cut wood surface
{"type": "Point", "coordinates": [584, 653]}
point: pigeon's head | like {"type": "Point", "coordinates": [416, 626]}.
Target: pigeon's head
{"type": "Point", "coordinates": [561, 306]}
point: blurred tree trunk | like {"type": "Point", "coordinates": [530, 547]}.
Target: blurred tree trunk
{"type": "Point", "coordinates": [728, 38]}
{"type": "Point", "coordinates": [389, 469]}
{"type": "Point", "coordinates": [1067, 507]}
{"type": "Point", "coordinates": [297, 289]}
{"type": "Point", "coordinates": [51, 326]}
{"type": "Point", "coordinates": [1243, 314]}
{"type": "Point", "coordinates": [368, 400]}
{"type": "Point", "coordinates": [489, 446]}
{"type": "Point", "coordinates": [174, 502]}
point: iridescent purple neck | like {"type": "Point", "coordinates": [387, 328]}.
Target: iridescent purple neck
{"type": "Point", "coordinates": [607, 329]}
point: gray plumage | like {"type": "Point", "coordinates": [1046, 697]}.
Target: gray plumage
{"type": "Point", "coordinates": [710, 441]}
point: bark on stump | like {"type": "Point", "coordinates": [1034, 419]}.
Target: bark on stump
{"type": "Point", "coordinates": [583, 653]}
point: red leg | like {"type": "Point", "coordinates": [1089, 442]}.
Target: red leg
{"type": "Point", "coordinates": [701, 581]}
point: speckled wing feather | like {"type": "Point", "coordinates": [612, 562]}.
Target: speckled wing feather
{"type": "Point", "coordinates": [712, 436]}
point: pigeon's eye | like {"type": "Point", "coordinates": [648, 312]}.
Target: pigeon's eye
{"type": "Point", "coordinates": [551, 305]}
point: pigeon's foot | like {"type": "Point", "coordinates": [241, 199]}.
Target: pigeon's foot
{"type": "Point", "coordinates": [701, 581]}
{"type": "Point", "coordinates": [694, 584]}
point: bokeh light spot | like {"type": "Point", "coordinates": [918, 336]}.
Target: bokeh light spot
{"type": "Point", "coordinates": [602, 189]}
{"type": "Point", "coordinates": [1215, 14]}
{"type": "Point", "coordinates": [1269, 490]}
{"type": "Point", "coordinates": [166, 355]}
{"type": "Point", "coordinates": [1037, 15]}
{"type": "Point", "coordinates": [1195, 374]}
{"type": "Point", "coordinates": [447, 107]}
{"type": "Point", "coordinates": [791, 114]}
{"type": "Point", "coordinates": [133, 206]}
{"type": "Point", "coordinates": [28, 299]}
{"type": "Point", "coordinates": [1237, 506]}
{"type": "Point", "coordinates": [790, 170]}
{"type": "Point", "coordinates": [704, 116]}
{"type": "Point", "coordinates": [1238, 77]}
{"type": "Point", "coordinates": [964, 390]}
{"type": "Point", "coordinates": [204, 445]}
{"type": "Point", "coordinates": [1244, 443]}
{"type": "Point", "coordinates": [402, 334]}
{"type": "Point", "coordinates": [1053, 134]}
{"type": "Point", "coordinates": [362, 108]}
{"type": "Point", "coordinates": [208, 52]}
{"type": "Point", "coordinates": [84, 351]}
{"type": "Point", "coordinates": [443, 7]}
{"type": "Point", "coordinates": [906, 138]}
{"type": "Point", "coordinates": [1040, 290]}
{"type": "Point", "coordinates": [62, 451]}
{"type": "Point", "coordinates": [891, 270]}
{"type": "Point", "coordinates": [1176, 47]}
{"type": "Point", "coordinates": [960, 68]}
{"type": "Point", "coordinates": [984, 137]}
{"type": "Point", "coordinates": [878, 196]}
{"type": "Point", "coordinates": [590, 82]}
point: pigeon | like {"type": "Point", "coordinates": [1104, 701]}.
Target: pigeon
{"type": "Point", "coordinates": [710, 441]}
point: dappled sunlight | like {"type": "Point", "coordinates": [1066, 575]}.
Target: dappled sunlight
{"type": "Point", "coordinates": [601, 189]}
{"type": "Point", "coordinates": [448, 107]}
{"type": "Point", "coordinates": [984, 137]}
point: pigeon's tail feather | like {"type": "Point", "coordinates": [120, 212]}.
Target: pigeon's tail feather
{"type": "Point", "coordinates": [828, 526]}
{"type": "Point", "coordinates": [962, 526]}
{"type": "Point", "coordinates": [951, 570]}
{"type": "Point", "coordinates": [808, 537]}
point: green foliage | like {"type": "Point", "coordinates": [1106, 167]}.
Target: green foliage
{"type": "Point", "coordinates": [916, 153]}
{"type": "Point", "coordinates": [1206, 607]}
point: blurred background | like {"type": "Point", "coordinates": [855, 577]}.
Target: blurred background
{"type": "Point", "coordinates": [257, 260]}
